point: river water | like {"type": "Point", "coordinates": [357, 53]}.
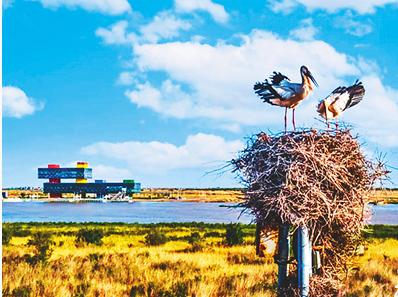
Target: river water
{"type": "Point", "coordinates": [149, 212]}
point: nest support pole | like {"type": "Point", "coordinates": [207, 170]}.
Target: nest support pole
{"type": "Point", "coordinates": [283, 255]}
{"type": "Point", "coordinates": [258, 238]}
{"type": "Point", "coordinates": [304, 261]}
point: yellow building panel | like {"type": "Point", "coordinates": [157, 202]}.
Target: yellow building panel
{"type": "Point", "coordinates": [82, 165]}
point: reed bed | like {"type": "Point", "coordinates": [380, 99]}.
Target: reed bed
{"type": "Point", "coordinates": [125, 266]}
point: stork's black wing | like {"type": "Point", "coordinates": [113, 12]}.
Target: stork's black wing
{"type": "Point", "coordinates": [356, 91]}
{"type": "Point", "coordinates": [277, 77]}
{"type": "Point", "coordinates": [345, 97]}
{"type": "Point", "coordinates": [266, 92]}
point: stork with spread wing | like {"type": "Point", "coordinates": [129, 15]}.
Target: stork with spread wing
{"type": "Point", "coordinates": [281, 92]}
{"type": "Point", "coordinates": [339, 100]}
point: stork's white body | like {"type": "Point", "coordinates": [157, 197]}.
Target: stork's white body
{"type": "Point", "coordinates": [335, 105]}
{"type": "Point", "coordinates": [341, 99]}
{"type": "Point", "coordinates": [281, 92]}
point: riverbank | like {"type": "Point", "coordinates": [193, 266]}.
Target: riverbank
{"type": "Point", "coordinates": [177, 195]}
{"type": "Point", "coordinates": [191, 258]}
{"type": "Point", "coordinates": [103, 200]}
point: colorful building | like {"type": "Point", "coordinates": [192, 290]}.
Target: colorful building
{"type": "Point", "coordinates": [81, 173]}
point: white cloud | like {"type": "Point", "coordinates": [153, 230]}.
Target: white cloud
{"type": "Point", "coordinates": [217, 11]}
{"type": "Point", "coordinates": [125, 78]}
{"type": "Point", "coordinates": [351, 26]}
{"type": "Point", "coordinates": [282, 6]}
{"type": "Point", "coordinates": [377, 115]}
{"type": "Point", "coordinates": [111, 7]}
{"type": "Point", "coordinates": [17, 104]}
{"type": "Point", "coordinates": [110, 173]}
{"type": "Point", "coordinates": [360, 6]}
{"type": "Point", "coordinates": [215, 82]}
{"type": "Point", "coordinates": [220, 77]}
{"type": "Point", "coordinates": [306, 31]}
{"type": "Point", "coordinates": [116, 34]}
{"type": "Point", "coordinates": [169, 99]}
{"type": "Point", "coordinates": [165, 25]}
{"type": "Point", "coordinates": [198, 151]}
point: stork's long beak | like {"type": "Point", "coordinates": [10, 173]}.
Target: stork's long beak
{"type": "Point", "coordinates": [312, 78]}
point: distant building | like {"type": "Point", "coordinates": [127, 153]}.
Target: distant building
{"type": "Point", "coordinates": [81, 173]}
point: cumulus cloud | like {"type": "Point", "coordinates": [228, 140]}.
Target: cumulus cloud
{"type": "Point", "coordinates": [352, 26]}
{"type": "Point", "coordinates": [361, 7]}
{"type": "Point", "coordinates": [115, 34]}
{"type": "Point", "coordinates": [125, 78]}
{"type": "Point", "coordinates": [377, 115]}
{"type": "Point", "coordinates": [165, 25]}
{"type": "Point", "coordinates": [215, 81]}
{"type": "Point", "coordinates": [282, 6]}
{"type": "Point", "coordinates": [111, 7]}
{"type": "Point", "coordinates": [198, 151]}
{"type": "Point", "coordinates": [168, 99]}
{"type": "Point", "coordinates": [217, 11]}
{"type": "Point", "coordinates": [306, 31]}
{"type": "Point", "coordinates": [110, 173]}
{"type": "Point", "coordinates": [218, 79]}
{"type": "Point", "coordinates": [17, 104]}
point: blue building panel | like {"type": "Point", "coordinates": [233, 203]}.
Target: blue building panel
{"type": "Point", "coordinates": [65, 173]}
{"type": "Point", "coordinates": [137, 187]}
{"type": "Point", "coordinates": [96, 188]}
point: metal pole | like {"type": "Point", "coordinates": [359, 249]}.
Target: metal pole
{"type": "Point", "coordinates": [304, 260]}
{"type": "Point", "coordinates": [283, 255]}
{"type": "Point", "coordinates": [258, 238]}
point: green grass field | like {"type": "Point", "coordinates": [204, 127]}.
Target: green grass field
{"type": "Point", "coordinates": [194, 261]}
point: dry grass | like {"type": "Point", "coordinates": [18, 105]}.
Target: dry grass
{"type": "Point", "coordinates": [124, 266]}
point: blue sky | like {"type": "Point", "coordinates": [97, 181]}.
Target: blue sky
{"type": "Point", "coordinates": [161, 91]}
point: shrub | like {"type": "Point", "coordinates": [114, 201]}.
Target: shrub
{"type": "Point", "coordinates": [195, 247]}
{"type": "Point", "coordinates": [195, 237]}
{"type": "Point", "coordinates": [42, 243]}
{"type": "Point", "coordinates": [11, 230]}
{"type": "Point", "coordinates": [6, 235]}
{"type": "Point", "coordinates": [81, 290]}
{"type": "Point", "coordinates": [196, 243]}
{"type": "Point", "coordinates": [180, 289]}
{"type": "Point", "coordinates": [213, 234]}
{"type": "Point", "coordinates": [137, 290]}
{"type": "Point", "coordinates": [234, 234]}
{"type": "Point", "coordinates": [155, 237]}
{"type": "Point", "coordinates": [86, 235]}
{"type": "Point", "coordinates": [24, 291]}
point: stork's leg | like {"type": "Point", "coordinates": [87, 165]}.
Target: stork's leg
{"type": "Point", "coordinates": [337, 125]}
{"type": "Point", "coordinates": [285, 119]}
{"type": "Point", "coordinates": [294, 123]}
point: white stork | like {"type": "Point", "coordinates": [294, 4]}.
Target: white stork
{"type": "Point", "coordinates": [339, 100]}
{"type": "Point", "coordinates": [281, 92]}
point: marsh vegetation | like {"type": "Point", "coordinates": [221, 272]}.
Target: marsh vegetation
{"type": "Point", "coordinates": [181, 259]}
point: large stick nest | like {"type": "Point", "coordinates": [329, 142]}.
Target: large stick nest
{"type": "Point", "coordinates": [316, 179]}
